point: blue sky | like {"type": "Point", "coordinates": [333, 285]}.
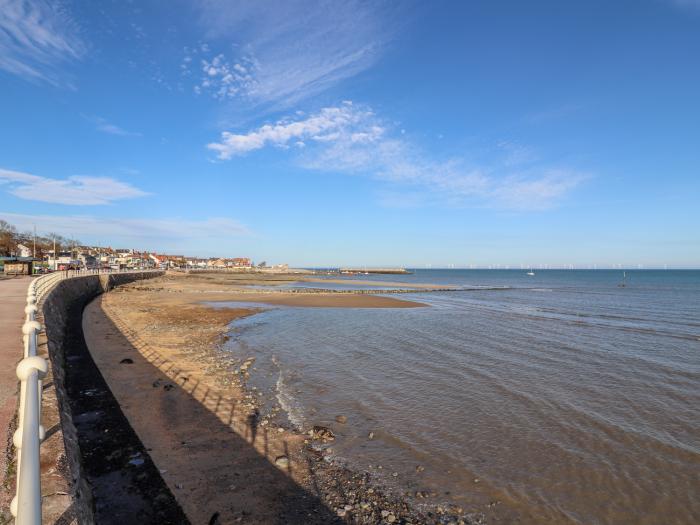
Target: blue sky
{"type": "Point", "coordinates": [329, 133]}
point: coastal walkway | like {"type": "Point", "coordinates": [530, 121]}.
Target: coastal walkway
{"type": "Point", "coordinates": [13, 298]}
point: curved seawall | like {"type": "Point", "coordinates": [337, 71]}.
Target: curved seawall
{"type": "Point", "coordinates": [113, 479]}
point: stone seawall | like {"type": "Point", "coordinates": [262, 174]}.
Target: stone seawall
{"type": "Point", "coordinates": [62, 319]}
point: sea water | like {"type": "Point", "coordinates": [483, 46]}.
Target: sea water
{"type": "Point", "coordinates": [561, 397]}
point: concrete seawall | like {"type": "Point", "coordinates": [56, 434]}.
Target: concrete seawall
{"type": "Point", "coordinates": [101, 448]}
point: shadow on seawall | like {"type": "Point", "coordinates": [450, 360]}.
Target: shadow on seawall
{"type": "Point", "coordinates": [215, 473]}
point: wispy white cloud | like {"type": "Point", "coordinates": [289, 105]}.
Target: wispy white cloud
{"type": "Point", "coordinates": [352, 139]}
{"type": "Point", "coordinates": [516, 154]}
{"type": "Point", "coordinates": [136, 228]}
{"type": "Point", "coordinates": [75, 190]}
{"type": "Point", "coordinates": [217, 76]}
{"type": "Point", "coordinates": [172, 234]}
{"type": "Point", "coordinates": [107, 127]}
{"type": "Point", "coordinates": [36, 37]}
{"type": "Point", "coordinates": [327, 126]}
{"type": "Point", "coordinates": [692, 4]}
{"type": "Point", "coordinates": [294, 49]}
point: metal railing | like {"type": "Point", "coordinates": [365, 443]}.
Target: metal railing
{"type": "Point", "coordinates": [26, 505]}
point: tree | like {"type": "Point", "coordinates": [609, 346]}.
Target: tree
{"type": "Point", "coordinates": [8, 238]}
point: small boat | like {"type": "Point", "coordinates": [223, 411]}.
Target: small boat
{"type": "Point", "coordinates": [530, 272]}
{"type": "Point", "coordinates": [623, 284]}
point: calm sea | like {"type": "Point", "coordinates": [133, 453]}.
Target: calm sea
{"type": "Point", "coordinates": [563, 398]}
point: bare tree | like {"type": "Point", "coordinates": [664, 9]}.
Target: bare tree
{"type": "Point", "coordinates": [8, 238]}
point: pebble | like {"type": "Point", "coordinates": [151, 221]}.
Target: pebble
{"type": "Point", "coordinates": [282, 461]}
{"type": "Point", "coordinates": [341, 419]}
{"type": "Point", "coordinates": [322, 433]}
{"type": "Point", "coordinates": [370, 435]}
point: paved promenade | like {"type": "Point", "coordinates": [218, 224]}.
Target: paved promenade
{"type": "Point", "coordinates": [13, 299]}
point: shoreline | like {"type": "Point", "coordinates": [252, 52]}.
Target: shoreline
{"type": "Point", "coordinates": [188, 345]}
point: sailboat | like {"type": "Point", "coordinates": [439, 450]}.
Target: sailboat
{"type": "Point", "coordinates": [624, 280]}
{"type": "Point", "coordinates": [530, 272]}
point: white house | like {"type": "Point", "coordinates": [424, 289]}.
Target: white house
{"type": "Point", "coordinates": [23, 251]}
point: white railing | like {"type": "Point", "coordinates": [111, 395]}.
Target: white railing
{"type": "Point", "coordinates": [26, 505]}
{"type": "Point", "coordinates": [46, 282]}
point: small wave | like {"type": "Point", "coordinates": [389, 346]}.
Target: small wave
{"type": "Point", "coordinates": [287, 401]}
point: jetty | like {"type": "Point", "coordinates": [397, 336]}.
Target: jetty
{"type": "Point", "coordinates": [398, 271]}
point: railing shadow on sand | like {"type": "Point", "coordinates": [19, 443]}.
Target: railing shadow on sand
{"type": "Point", "coordinates": [204, 449]}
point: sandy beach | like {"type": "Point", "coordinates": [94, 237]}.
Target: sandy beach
{"type": "Point", "coordinates": [157, 344]}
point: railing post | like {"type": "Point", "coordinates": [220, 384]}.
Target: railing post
{"type": "Point", "coordinates": [31, 311]}
{"type": "Point", "coordinates": [30, 329]}
{"type": "Point", "coordinates": [26, 506]}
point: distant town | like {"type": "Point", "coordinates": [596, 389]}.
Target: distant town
{"type": "Point", "coordinates": [29, 253]}
{"type": "Point", "coordinates": [88, 257]}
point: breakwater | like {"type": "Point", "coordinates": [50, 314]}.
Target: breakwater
{"type": "Point", "coordinates": [397, 271]}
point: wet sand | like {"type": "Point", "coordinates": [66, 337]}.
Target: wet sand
{"type": "Point", "coordinates": [193, 288]}
{"type": "Point", "coordinates": [158, 346]}
{"type": "Point", "coordinates": [210, 280]}
{"type": "Point", "coordinates": [318, 300]}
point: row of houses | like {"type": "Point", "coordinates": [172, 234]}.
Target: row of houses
{"type": "Point", "coordinates": [79, 257]}
{"type": "Point", "coordinates": [219, 264]}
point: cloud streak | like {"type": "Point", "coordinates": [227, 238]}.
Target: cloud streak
{"type": "Point", "coordinates": [219, 77]}
{"type": "Point", "coordinates": [352, 139]}
{"type": "Point", "coordinates": [112, 129]}
{"type": "Point", "coordinates": [120, 229]}
{"type": "Point", "coordinates": [293, 49]}
{"type": "Point", "coordinates": [36, 37]}
{"type": "Point", "coordinates": [75, 190]}
{"type": "Point", "coordinates": [688, 4]}
{"type": "Point", "coordinates": [326, 126]}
